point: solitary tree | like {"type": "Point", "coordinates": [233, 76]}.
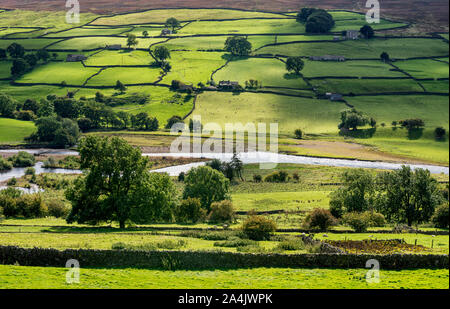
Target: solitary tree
{"type": "Point", "coordinates": [16, 50]}
{"type": "Point", "coordinates": [408, 196]}
{"type": "Point", "coordinates": [384, 57]}
{"type": "Point", "coordinates": [116, 181]}
{"type": "Point", "coordinates": [131, 40]}
{"type": "Point", "coordinates": [238, 46]}
{"type": "Point", "coordinates": [367, 31]}
{"type": "Point", "coordinates": [206, 184]}
{"type": "Point", "coordinates": [295, 64]}
{"type": "Point", "coordinates": [145, 33]}
{"type": "Point", "coordinates": [160, 54]}
{"type": "Point", "coordinates": [120, 87]}
{"type": "Point", "coordinates": [352, 119]}
{"type": "Point", "coordinates": [173, 23]}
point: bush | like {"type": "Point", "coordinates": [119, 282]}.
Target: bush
{"type": "Point", "coordinates": [320, 218]}
{"type": "Point", "coordinates": [359, 222]}
{"type": "Point", "coordinates": [257, 178]}
{"type": "Point", "coordinates": [181, 177]}
{"type": "Point", "coordinates": [22, 159]}
{"type": "Point", "coordinates": [336, 208]}
{"type": "Point", "coordinates": [30, 171]}
{"type": "Point", "coordinates": [234, 243]}
{"type": "Point", "coordinates": [57, 209]}
{"type": "Point", "coordinates": [221, 212]}
{"type": "Point", "coordinates": [298, 134]}
{"type": "Point", "coordinates": [190, 210]}
{"type": "Point", "coordinates": [376, 219]}
{"type": "Point", "coordinates": [258, 227]}
{"type": "Point", "coordinates": [439, 133]}
{"type": "Point", "coordinates": [8, 203]}
{"type": "Point", "coordinates": [31, 206]}
{"type": "Point", "coordinates": [296, 177]}
{"type": "Point", "coordinates": [280, 176]}
{"type": "Point", "coordinates": [4, 165]}
{"type": "Point", "coordinates": [12, 182]}
{"type": "Point", "coordinates": [440, 218]}
{"type": "Point", "coordinates": [291, 244]}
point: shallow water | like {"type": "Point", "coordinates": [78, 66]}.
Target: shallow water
{"type": "Point", "coordinates": [267, 160]}
{"type": "Point", "coordinates": [18, 172]}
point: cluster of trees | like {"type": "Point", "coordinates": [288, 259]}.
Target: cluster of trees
{"type": "Point", "coordinates": [119, 187]}
{"type": "Point", "coordinates": [316, 20]}
{"type": "Point", "coordinates": [14, 203]}
{"type": "Point", "coordinates": [22, 61]}
{"type": "Point", "coordinates": [352, 119]}
{"type": "Point", "coordinates": [400, 196]}
{"type": "Point", "coordinates": [238, 46]}
{"type": "Point", "coordinates": [230, 170]}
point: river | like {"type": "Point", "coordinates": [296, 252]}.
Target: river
{"type": "Point", "coordinates": [262, 158]}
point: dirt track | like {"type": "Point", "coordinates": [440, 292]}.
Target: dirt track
{"type": "Point", "coordinates": [433, 12]}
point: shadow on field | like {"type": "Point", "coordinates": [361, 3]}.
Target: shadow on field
{"type": "Point", "coordinates": [415, 133]}
{"type": "Point", "coordinates": [360, 133]}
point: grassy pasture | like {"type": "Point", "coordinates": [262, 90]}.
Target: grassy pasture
{"type": "Point", "coordinates": [110, 76]}
{"type": "Point", "coordinates": [19, 277]}
{"type": "Point", "coordinates": [316, 116]}
{"type": "Point", "coordinates": [55, 20]}
{"type": "Point", "coordinates": [244, 27]}
{"type": "Point", "coordinates": [28, 43]}
{"type": "Point", "coordinates": [365, 86]}
{"type": "Point", "coordinates": [35, 92]}
{"type": "Point", "coordinates": [89, 43]}
{"type": "Point", "coordinates": [397, 48]}
{"type": "Point", "coordinates": [14, 131]}
{"type": "Point", "coordinates": [123, 57]}
{"type": "Point", "coordinates": [436, 86]}
{"type": "Point", "coordinates": [424, 68]}
{"type": "Point", "coordinates": [5, 69]}
{"type": "Point", "coordinates": [162, 105]}
{"type": "Point", "coordinates": [194, 67]}
{"type": "Point", "coordinates": [54, 73]}
{"type": "Point", "coordinates": [86, 31]}
{"type": "Point", "coordinates": [358, 68]}
{"type": "Point", "coordinates": [160, 16]}
{"type": "Point", "coordinates": [288, 201]}
{"type": "Point", "coordinates": [271, 72]}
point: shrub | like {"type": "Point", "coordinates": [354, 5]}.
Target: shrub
{"type": "Point", "coordinates": [23, 159]}
{"type": "Point", "coordinates": [291, 244]}
{"type": "Point", "coordinates": [221, 212]}
{"type": "Point", "coordinates": [336, 208]}
{"type": "Point", "coordinates": [280, 176]}
{"type": "Point", "coordinates": [359, 222]}
{"type": "Point", "coordinates": [57, 209]}
{"type": "Point", "coordinates": [376, 219]}
{"type": "Point", "coordinates": [440, 218]}
{"type": "Point", "coordinates": [4, 165]}
{"type": "Point", "coordinates": [257, 178]}
{"type": "Point", "coordinates": [190, 210]}
{"type": "Point", "coordinates": [439, 133]}
{"type": "Point", "coordinates": [8, 202]}
{"type": "Point", "coordinates": [296, 177]}
{"type": "Point", "coordinates": [31, 206]}
{"type": "Point", "coordinates": [181, 177]}
{"type": "Point", "coordinates": [258, 227]}
{"type": "Point", "coordinates": [12, 182]}
{"type": "Point", "coordinates": [30, 171]}
{"type": "Point", "coordinates": [234, 243]}
{"type": "Point", "coordinates": [320, 218]}
{"type": "Point", "coordinates": [298, 134]}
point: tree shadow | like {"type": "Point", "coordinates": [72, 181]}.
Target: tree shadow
{"type": "Point", "coordinates": [360, 133]}
{"type": "Point", "coordinates": [415, 133]}
{"type": "Point", "coordinates": [291, 76]}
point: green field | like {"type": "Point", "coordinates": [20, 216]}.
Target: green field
{"type": "Point", "coordinates": [366, 86]}
{"type": "Point", "coordinates": [425, 68]}
{"type": "Point", "coordinates": [110, 76]}
{"type": "Point", "coordinates": [123, 58]}
{"type": "Point", "coordinates": [160, 16]}
{"type": "Point", "coordinates": [270, 72]}
{"type": "Point", "coordinates": [258, 278]}
{"type": "Point", "coordinates": [194, 67]}
{"type": "Point", "coordinates": [14, 131]}
{"type": "Point", "coordinates": [314, 116]}
{"type": "Point", "coordinates": [396, 48]}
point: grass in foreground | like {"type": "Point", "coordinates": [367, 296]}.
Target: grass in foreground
{"type": "Point", "coordinates": [21, 277]}
{"type": "Point", "coordinates": [14, 131]}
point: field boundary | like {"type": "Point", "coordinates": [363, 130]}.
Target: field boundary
{"type": "Point", "coordinates": [196, 260]}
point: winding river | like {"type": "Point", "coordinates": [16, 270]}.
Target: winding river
{"type": "Point", "coordinates": [265, 159]}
